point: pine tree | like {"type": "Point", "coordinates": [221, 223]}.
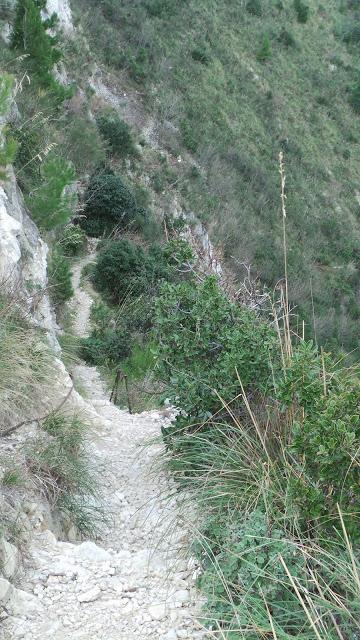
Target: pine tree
{"type": "Point", "coordinates": [30, 36]}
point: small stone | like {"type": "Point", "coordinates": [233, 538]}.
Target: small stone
{"type": "Point", "coordinates": [5, 590]}
{"type": "Point", "coordinates": [9, 558]}
{"type": "Point", "coordinates": [181, 596]}
{"type": "Point", "coordinates": [89, 596]}
{"type": "Point", "coordinates": [22, 603]}
{"type": "Point", "coordinates": [170, 635]}
{"type": "Point", "coordinates": [91, 552]}
{"type": "Point", "coordinates": [157, 611]}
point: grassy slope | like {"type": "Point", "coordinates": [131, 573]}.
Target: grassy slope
{"type": "Point", "coordinates": [235, 113]}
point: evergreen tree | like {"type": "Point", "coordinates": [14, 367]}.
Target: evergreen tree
{"type": "Point", "coordinates": [30, 36]}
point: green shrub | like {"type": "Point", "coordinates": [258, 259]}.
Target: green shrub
{"type": "Point", "coordinates": [200, 55]}
{"type": "Point", "coordinates": [121, 270]}
{"type": "Point", "coordinates": [246, 550]}
{"type": "Point", "coordinates": [202, 338]}
{"type": "Point", "coordinates": [50, 204]}
{"type": "Point", "coordinates": [109, 349]}
{"type": "Point", "coordinates": [264, 52]}
{"type": "Point", "coordinates": [351, 33]}
{"type": "Point", "coordinates": [286, 38]}
{"type": "Point", "coordinates": [355, 97]}
{"type": "Point", "coordinates": [8, 145]}
{"type": "Point", "coordinates": [59, 277]}
{"type": "Point", "coordinates": [73, 240]}
{"type": "Point", "coordinates": [159, 8]}
{"type": "Point", "coordinates": [26, 364]}
{"type": "Point", "coordinates": [85, 147]}
{"type": "Point", "coordinates": [29, 35]}
{"type": "Point", "coordinates": [325, 439]}
{"type": "Point", "coordinates": [254, 7]}
{"type": "Point", "coordinates": [189, 137]}
{"type": "Point", "coordinates": [139, 65]}
{"type": "Point", "coordinates": [60, 463]}
{"type": "Point", "coordinates": [302, 11]}
{"type": "Point", "coordinates": [117, 134]}
{"type": "Point", "coordinates": [108, 203]}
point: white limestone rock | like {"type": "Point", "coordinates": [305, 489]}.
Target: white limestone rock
{"type": "Point", "coordinates": [9, 558]}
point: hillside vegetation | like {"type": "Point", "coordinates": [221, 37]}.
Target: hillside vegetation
{"type": "Point", "coordinates": [229, 85]}
{"type": "Point", "coordinates": [266, 438]}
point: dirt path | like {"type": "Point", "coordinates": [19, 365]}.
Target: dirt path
{"type": "Point", "coordinates": [135, 582]}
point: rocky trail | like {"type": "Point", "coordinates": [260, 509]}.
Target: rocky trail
{"type": "Point", "coordinates": [135, 581]}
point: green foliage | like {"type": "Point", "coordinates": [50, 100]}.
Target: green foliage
{"type": "Point", "coordinates": [109, 203]}
{"type": "Point", "coordinates": [254, 7]}
{"type": "Point", "coordinates": [351, 33]}
{"type": "Point", "coordinates": [140, 361]}
{"type": "Point", "coordinates": [12, 476]}
{"type": "Point", "coordinates": [286, 38]}
{"type": "Point", "coordinates": [200, 54]}
{"type": "Point", "coordinates": [8, 150]}
{"type": "Point", "coordinates": [325, 439]}
{"type": "Point", "coordinates": [109, 342]}
{"type": "Point", "coordinates": [117, 134]}
{"type": "Point", "coordinates": [203, 339]}
{"type": "Point", "coordinates": [355, 97]}
{"type": "Point", "coordinates": [302, 11]}
{"type": "Point", "coordinates": [122, 269]}
{"type": "Point", "coordinates": [248, 553]}
{"type": "Point", "coordinates": [189, 137]}
{"type": "Point", "coordinates": [50, 204]}
{"type": "Point", "coordinates": [230, 119]}
{"type": "Point", "coordinates": [264, 52]}
{"type": "Point", "coordinates": [72, 240]}
{"type": "Point", "coordinates": [85, 147]}
{"type": "Point", "coordinates": [29, 36]}
{"type": "Point", "coordinates": [61, 464]}
{"type": "Point", "coordinates": [26, 364]}
{"type": "Point", "coordinates": [8, 145]}
{"type": "Point", "coordinates": [109, 349]}
{"type": "Point", "coordinates": [59, 276]}
{"type": "Point", "coordinates": [6, 85]}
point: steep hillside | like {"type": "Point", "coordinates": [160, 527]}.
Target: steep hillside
{"type": "Point", "coordinates": [229, 85]}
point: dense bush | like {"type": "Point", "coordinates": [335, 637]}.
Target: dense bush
{"type": "Point", "coordinates": [85, 147]}
{"type": "Point", "coordinates": [302, 11]}
{"type": "Point", "coordinates": [326, 433]}
{"type": "Point", "coordinates": [30, 36]}
{"type": "Point", "coordinates": [117, 134]}
{"type": "Point", "coordinates": [286, 38]}
{"type": "Point", "coordinates": [200, 54]}
{"type": "Point", "coordinates": [270, 468]}
{"type": "Point", "coordinates": [125, 269]}
{"type": "Point", "coordinates": [254, 7]}
{"type": "Point", "coordinates": [351, 33]}
{"type": "Point", "coordinates": [72, 240]}
{"type": "Point", "coordinates": [50, 204]}
{"type": "Point", "coordinates": [109, 203]}
{"type": "Point", "coordinates": [203, 338]}
{"type": "Point", "coordinates": [264, 52]}
{"type": "Point", "coordinates": [355, 97]}
{"type": "Point", "coordinates": [120, 270]}
{"type": "Point", "coordinates": [110, 349]}
{"type": "Point", "coordinates": [59, 277]}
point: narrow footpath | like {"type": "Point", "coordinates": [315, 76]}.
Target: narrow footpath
{"type": "Point", "coordinates": [135, 582]}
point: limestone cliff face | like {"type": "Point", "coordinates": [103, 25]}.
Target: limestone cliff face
{"type": "Point", "coordinates": [23, 256]}
{"type": "Point", "coordinates": [63, 10]}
